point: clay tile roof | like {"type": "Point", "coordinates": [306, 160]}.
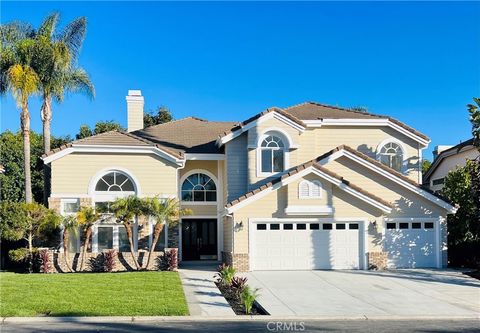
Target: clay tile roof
{"type": "Point", "coordinates": [258, 115]}
{"type": "Point", "coordinates": [190, 135]}
{"type": "Point", "coordinates": [114, 138]}
{"type": "Point", "coordinates": [302, 167]}
{"type": "Point", "coordinates": [316, 111]}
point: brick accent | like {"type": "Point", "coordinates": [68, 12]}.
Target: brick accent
{"type": "Point", "coordinates": [54, 203]}
{"type": "Point", "coordinates": [377, 260]}
{"type": "Point", "coordinates": [173, 236]}
{"type": "Point", "coordinates": [123, 262]}
{"type": "Point", "coordinates": [239, 261]}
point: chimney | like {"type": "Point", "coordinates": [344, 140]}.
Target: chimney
{"type": "Point", "coordinates": [134, 110]}
{"type": "Point", "coordinates": [439, 149]}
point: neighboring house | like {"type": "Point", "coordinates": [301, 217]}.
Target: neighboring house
{"type": "Point", "coordinates": [446, 159]}
{"type": "Point", "coordinates": [306, 187]}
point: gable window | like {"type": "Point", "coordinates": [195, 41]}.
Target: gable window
{"type": "Point", "coordinates": [308, 189]}
{"type": "Point", "coordinates": [199, 187]}
{"type": "Point", "coordinates": [272, 154]}
{"type": "Point", "coordinates": [391, 154]}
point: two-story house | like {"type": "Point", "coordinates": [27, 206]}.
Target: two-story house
{"type": "Point", "coordinates": [310, 186]}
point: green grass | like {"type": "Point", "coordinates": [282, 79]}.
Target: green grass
{"type": "Point", "coordinates": [92, 294]}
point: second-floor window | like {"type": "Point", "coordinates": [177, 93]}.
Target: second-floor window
{"type": "Point", "coordinates": [199, 187]}
{"type": "Point", "coordinates": [391, 154]}
{"type": "Point", "coordinates": [272, 150]}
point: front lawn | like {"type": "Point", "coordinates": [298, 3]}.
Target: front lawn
{"type": "Point", "coordinates": [92, 294]}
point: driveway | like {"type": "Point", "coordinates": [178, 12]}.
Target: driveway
{"type": "Point", "coordinates": [371, 294]}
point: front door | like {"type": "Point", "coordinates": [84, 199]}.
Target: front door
{"type": "Point", "coordinates": [199, 239]}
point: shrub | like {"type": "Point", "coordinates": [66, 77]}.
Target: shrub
{"type": "Point", "coordinates": [225, 274]}
{"type": "Point", "coordinates": [248, 297]}
{"type": "Point", "coordinates": [45, 263]}
{"type": "Point", "coordinates": [239, 284]}
{"type": "Point", "coordinates": [18, 255]}
{"type": "Point", "coordinates": [168, 261]}
{"type": "Point", "coordinates": [104, 262]}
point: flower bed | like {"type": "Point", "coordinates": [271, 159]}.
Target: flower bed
{"type": "Point", "coordinates": [236, 303]}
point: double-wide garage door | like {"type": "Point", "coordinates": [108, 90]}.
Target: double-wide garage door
{"type": "Point", "coordinates": [304, 246]}
{"type": "Point", "coordinates": [411, 244]}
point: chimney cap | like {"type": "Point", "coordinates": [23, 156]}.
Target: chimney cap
{"type": "Point", "coordinates": [134, 93]}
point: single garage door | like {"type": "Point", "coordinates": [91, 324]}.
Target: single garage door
{"type": "Point", "coordinates": [410, 244]}
{"type": "Point", "coordinates": [304, 246]}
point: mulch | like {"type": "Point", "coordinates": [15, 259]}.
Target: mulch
{"type": "Point", "coordinates": [237, 306]}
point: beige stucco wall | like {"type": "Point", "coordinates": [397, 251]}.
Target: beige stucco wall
{"type": "Point", "coordinates": [451, 163]}
{"type": "Point", "coordinates": [72, 174]}
{"type": "Point", "coordinates": [274, 204]}
{"type": "Point", "coordinates": [407, 203]}
{"type": "Point", "coordinates": [314, 142]}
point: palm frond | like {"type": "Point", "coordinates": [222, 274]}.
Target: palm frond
{"type": "Point", "coordinates": [77, 80]}
{"type": "Point", "coordinates": [74, 34]}
{"type": "Point", "coordinates": [13, 32]}
{"type": "Point", "coordinates": [47, 28]}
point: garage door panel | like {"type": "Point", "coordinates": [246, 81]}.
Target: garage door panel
{"type": "Point", "coordinates": [290, 249]}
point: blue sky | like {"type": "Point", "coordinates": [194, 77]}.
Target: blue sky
{"type": "Point", "coordinates": [417, 62]}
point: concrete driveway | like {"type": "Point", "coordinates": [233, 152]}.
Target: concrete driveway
{"type": "Point", "coordinates": [348, 294]}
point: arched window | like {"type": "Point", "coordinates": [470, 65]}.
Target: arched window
{"type": "Point", "coordinates": [391, 154]}
{"type": "Point", "coordinates": [272, 152]}
{"type": "Point", "coordinates": [308, 189]}
{"type": "Point", "coordinates": [199, 187]}
{"type": "Point", "coordinates": [115, 181]}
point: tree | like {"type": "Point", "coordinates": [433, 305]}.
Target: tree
{"type": "Point", "coordinates": [474, 110]}
{"type": "Point", "coordinates": [425, 165]}
{"type": "Point", "coordinates": [161, 116]}
{"type": "Point", "coordinates": [100, 127]}
{"type": "Point", "coordinates": [55, 62]}
{"type": "Point", "coordinates": [164, 211]}
{"type": "Point", "coordinates": [20, 78]}
{"type": "Point", "coordinates": [125, 210]}
{"type": "Point", "coordinates": [86, 218]}
{"type": "Point", "coordinates": [70, 226]}
{"type": "Point", "coordinates": [27, 221]}
{"type": "Point", "coordinates": [359, 109]}
{"type": "Point", "coordinates": [11, 157]}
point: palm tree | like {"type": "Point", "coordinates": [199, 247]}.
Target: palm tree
{"type": "Point", "coordinates": [165, 211]}
{"type": "Point", "coordinates": [125, 210]}
{"type": "Point", "coordinates": [55, 63]}
{"type": "Point", "coordinates": [70, 225]}
{"type": "Point", "coordinates": [20, 78]}
{"type": "Point", "coordinates": [86, 218]}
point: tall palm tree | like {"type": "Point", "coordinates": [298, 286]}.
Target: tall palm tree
{"type": "Point", "coordinates": [86, 217]}
{"type": "Point", "coordinates": [70, 226]}
{"type": "Point", "coordinates": [55, 63]}
{"type": "Point", "coordinates": [20, 78]}
{"type": "Point", "coordinates": [164, 211]}
{"type": "Point", "coordinates": [125, 210]}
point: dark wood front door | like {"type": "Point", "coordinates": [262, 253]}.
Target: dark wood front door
{"type": "Point", "coordinates": [199, 239]}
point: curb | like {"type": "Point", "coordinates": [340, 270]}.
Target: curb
{"type": "Point", "coordinates": [139, 319]}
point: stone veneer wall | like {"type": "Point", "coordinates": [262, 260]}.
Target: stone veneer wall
{"type": "Point", "coordinates": [239, 261]}
{"type": "Point", "coordinates": [123, 262]}
{"type": "Point", "coordinates": [377, 259]}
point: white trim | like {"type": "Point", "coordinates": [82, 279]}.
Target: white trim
{"type": "Point", "coordinates": [68, 200]}
{"type": "Point", "coordinates": [198, 203]}
{"type": "Point", "coordinates": [300, 174]}
{"type": "Point", "coordinates": [396, 179]}
{"type": "Point", "coordinates": [81, 148]}
{"type": "Point", "coordinates": [402, 147]}
{"type": "Point", "coordinates": [309, 210]}
{"type": "Point", "coordinates": [366, 122]}
{"type": "Point", "coordinates": [221, 204]}
{"type": "Point", "coordinates": [204, 157]}
{"type": "Point", "coordinates": [212, 217]}
{"type": "Point", "coordinates": [271, 131]}
{"type": "Point", "coordinates": [363, 245]}
{"type": "Point", "coordinates": [410, 219]}
{"type": "Point", "coordinates": [270, 115]}
{"type": "Point", "coordinates": [103, 172]}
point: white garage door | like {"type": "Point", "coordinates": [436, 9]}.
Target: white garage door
{"type": "Point", "coordinates": [410, 244]}
{"type": "Point", "coordinates": [303, 246]}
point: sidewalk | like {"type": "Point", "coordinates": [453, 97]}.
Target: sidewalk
{"type": "Point", "coordinates": [202, 295]}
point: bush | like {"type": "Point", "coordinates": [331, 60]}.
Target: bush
{"type": "Point", "coordinates": [44, 261]}
{"type": "Point", "coordinates": [225, 274]}
{"type": "Point", "coordinates": [18, 255]}
{"type": "Point", "coordinates": [104, 262]}
{"type": "Point", "coordinates": [168, 261]}
{"type": "Point", "coordinates": [248, 297]}
{"type": "Point", "coordinates": [239, 284]}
